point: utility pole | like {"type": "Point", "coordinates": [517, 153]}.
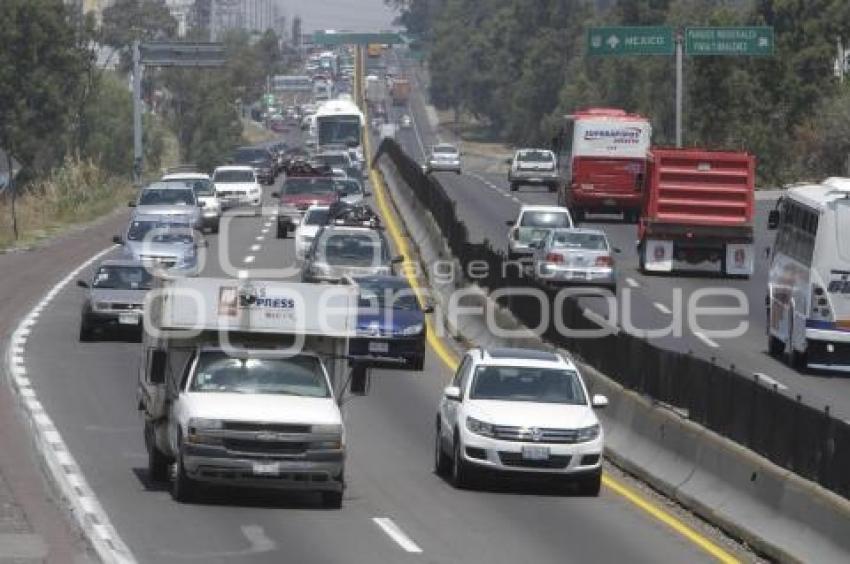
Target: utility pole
{"type": "Point", "coordinates": [680, 52]}
{"type": "Point", "coordinates": [841, 60]}
{"type": "Point", "coordinates": [137, 114]}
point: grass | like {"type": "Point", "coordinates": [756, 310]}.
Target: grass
{"type": "Point", "coordinates": [475, 137]}
{"type": "Point", "coordinates": [75, 192]}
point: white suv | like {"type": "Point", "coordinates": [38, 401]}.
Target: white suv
{"type": "Point", "coordinates": [519, 410]}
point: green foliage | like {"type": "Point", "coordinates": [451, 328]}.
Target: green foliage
{"type": "Point", "coordinates": [127, 20]}
{"type": "Point", "coordinates": [519, 65]}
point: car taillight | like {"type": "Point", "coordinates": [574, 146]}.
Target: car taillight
{"type": "Point", "coordinates": [604, 261]}
{"type": "Point", "coordinates": [820, 303]}
{"type": "Point", "coordinates": [554, 257]}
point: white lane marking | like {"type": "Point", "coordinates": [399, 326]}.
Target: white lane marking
{"type": "Point", "coordinates": [260, 542]}
{"type": "Point", "coordinates": [264, 230]}
{"type": "Point", "coordinates": [704, 338]}
{"type": "Point", "coordinates": [764, 378]}
{"type": "Point", "coordinates": [267, 224]}
{"type": "Point", "coordinates": [662, 308]}
{"type": "Point", "coordinates": [249, 259]}
{"type": "Point", "coordinates": [394, 532]}
{"type": "Point", "coordinates": [60, 465]}
{"type": "Point", "coordinates": [242, 274]}
{"type": "Point", "coordinates": [256, 248]}
{"type": "Point", "coordinates": [260, 238]}
{"type": "Point", "coordinates": [632, 282]}
{"type": "Point", "coordinates": [596, 318]}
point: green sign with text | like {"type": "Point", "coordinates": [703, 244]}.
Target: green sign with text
{"type": "Point", "coordinates": [729, 40]}
{"type": "Point", "coordinates": [634, 40]}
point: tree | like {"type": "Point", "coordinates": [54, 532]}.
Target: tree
{"type": "Point", "coordinates": [128, 20]}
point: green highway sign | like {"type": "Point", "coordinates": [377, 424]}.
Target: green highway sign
{"type": "Point", "coordinates": [636, 40]}
{"type": "Point", "coordinates": [729, 40]}
{"type": "Point", "coordinates": [349, 38]}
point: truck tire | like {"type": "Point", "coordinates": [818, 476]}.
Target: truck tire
{"type": "Point", "coordinates": [282, 231]}
{"type": "Point", "coordinates": [214, 228]}
{"type": "Point", "coordinates": [775, 346]}
{"type": "Point", "coordinates": [514, 186]}
{"type": "Point", "coordinates": [183, 488]}
{"type": "Point", "coordinates": [158, 464]}
{"type": "Point", "coordinates": [332, 500]}
{"type": "Point", "coordinates": [86, 331]}
{"type": "Point", "coordinates": [578, 214]}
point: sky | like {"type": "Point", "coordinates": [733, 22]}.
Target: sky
{"type": "Point", "coordinates": [354, 15]}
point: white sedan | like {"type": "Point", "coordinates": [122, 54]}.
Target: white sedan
{"type": "Point", "coordinates": [314, 218]}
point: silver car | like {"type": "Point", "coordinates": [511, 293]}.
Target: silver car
{"type": "Point", "coordinates": [159, 242]}
{"type": "Point", "coordinates": [205, 194]}
{"type": "Point", "coordinates": [443, 157]}
{"type": "Point", "coordinates": [341, 251]}
{"type": "Point", "coordinates": [350, 190]}
{"type": "Point", "coordinates": [115, 298]}
{"type": "Point", "coordinates": [575, 257]}
{"type": "Point", "coordinates": [172, 199]}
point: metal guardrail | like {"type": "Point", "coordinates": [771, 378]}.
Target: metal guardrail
{"type": "Point", "coordinates": [793, 435]}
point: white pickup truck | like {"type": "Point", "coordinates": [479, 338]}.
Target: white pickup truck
{"type": "Point", "coordinates": [237, 384]}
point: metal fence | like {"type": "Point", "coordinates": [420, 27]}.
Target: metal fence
{"type": "Point", "coordinates": [798, 437]}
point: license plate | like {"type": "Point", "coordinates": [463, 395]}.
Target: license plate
{"type": "Point", "coordinates": [266, 469]}
{"type": "Point", "coordinates": [535, 453]}
{"type": "Point", "coordinates": [379, 347]}
{"type": "Point", "coordinates": [128, 319]}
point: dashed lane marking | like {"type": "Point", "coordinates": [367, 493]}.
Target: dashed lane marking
{"type": "Point", "coordinates": [255, 248]}
{"type": "Point", "coordinates": [249, 259]}
{"type": "Point", "coordinates": [705, 339]}
{"type": "Point", "coordinates": [394, 532]}
{"type": "Point", "coordinates": [662, 308]}
{"type": "Point", "coordinates": [769, 381]}
{"type": "Point", "coordinates": [632, 282]}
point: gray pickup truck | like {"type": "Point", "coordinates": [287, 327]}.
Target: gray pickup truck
{"type": "Point", "coordinates": [535, 167]}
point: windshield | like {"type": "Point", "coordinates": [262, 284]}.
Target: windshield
{"type": "Point", "coordinates": [535, 157]}
{"type": "Point", "coordinates": [167, 197]}
{"type": "Point", "coordinates": [139, 229]}
{"type": "Point", "coordinates": [584, 241]}
{"type": "Point", "coordinates": [295, 186]}
{"type": "Point", "coordinates": [296, 376]}
{"type": "Point", "coordinates": [339, 129]}
{"type": "Point", "coordinates": [378, 295]}
{"type": "Point", "coordinates": [233, 176]}
{"type": "Point", "coordinates": [113, 277]}
{"type": "Point", "coordinates": [316, 217]}
{"type": "Point", "coordinates": [249, 155]}
{"type": "Point", "coordinates": [520, 383]}
{"type": "Point", "coordinates": [332, 160]}
{"type": "Point", "coordinates": [445, 150]}
{"type": "Point", "coordinates": [349, 187]}
{"type": "Point", "coordinates": [352, 249]}
{"type": "Point", "coordinates": [544, 219]}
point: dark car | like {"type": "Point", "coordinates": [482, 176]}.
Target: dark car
{"type": "Point", "coordinates": [391, 327]}
{"type": "Point", "coordinates": [260, 159]}
{"type": "Point", "coordinates": [115, 298]}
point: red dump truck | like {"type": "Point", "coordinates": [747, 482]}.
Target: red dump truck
{"type": "Point", "coordinates": [603, 154]}
{"type": "Point", "coordinates": [697, 212]}
{"type": "Point", "coordinates": [400, 91]}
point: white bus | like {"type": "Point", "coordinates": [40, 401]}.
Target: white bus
{"type": "Point", "coordinates": [808, 302]}
{"type": "Point", "coordinates": [340, 123]}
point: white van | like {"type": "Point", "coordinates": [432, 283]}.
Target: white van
{"type": "Point", "coordinates": [808, 301]}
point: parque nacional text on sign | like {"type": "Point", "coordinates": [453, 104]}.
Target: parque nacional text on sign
{"type": "Point", "coordinates": [729, 40]}
{"type": "Point", "coordinates": [635, 40]}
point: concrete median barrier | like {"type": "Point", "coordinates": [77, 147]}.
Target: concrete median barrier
{"type": "Point", "coordinates": [778, 513]}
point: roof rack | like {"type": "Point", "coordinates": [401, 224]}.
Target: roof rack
{"type": "Point", "coordinates": [353, 215]}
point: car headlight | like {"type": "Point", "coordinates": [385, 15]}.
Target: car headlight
{"type": "Point", "coordinates": [412, 329]}
{"type": "Point", "coordinates": [102, 306]}
{"type": "Point", "coordinates": [196, 431]}
{"type": "Point", "coordinates": [479, 427]}
{"type": "Point", "coordinates": [587, 434]}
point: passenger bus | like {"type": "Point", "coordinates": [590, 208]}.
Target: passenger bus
{"type": "Point", "coordinates": [808, 301]}
{"type": "Point", "coordinates": [340, 122]}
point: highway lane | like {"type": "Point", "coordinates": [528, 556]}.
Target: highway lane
{"type": "Point", "coordinates": [485, 202]}
{"type": "Point", "coordinates": [89, 391]}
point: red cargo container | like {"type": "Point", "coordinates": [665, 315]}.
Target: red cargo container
{"type": "Point", "coordinates": [400, 91]}
{"type": "Point", "coordinates": [698, 212]}
{"type": "Point", "coordinates": [605, 161]}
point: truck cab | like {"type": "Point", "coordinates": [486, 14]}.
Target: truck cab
{"type": "Point", "coordinates": [239, 385]}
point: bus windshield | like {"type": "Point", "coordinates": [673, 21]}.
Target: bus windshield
{"type": "Point", "coordinates": [343, 130]}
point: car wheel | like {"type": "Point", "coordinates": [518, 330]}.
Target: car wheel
{"type": "Point", "coordinates": [183, 488]}
{"type": "Point", "coordinates": [578, 214]}
{"type": "Point", "coordinates": [86, 331]}
{"type": "Point", "coordinates": [332, 500]}
{"type": "Point", "coordinates": [775, 346]}
{"type": "Point", "coordinates": [158, 464]}
{"type": "Point", "coordinates": [514, 186]}
{"type": "Point", "coordinates": [796, 359]}
{"type": "Point", "coordinates": [214, 228]}
{"type": "Point", "coordinates": [461, 472]}
{"type": "Point", "coordinates": [591, 484]}
{"type": "Point", "coordinates": [416, 363]}
{"type": "Point", "coordinates": [442, 462]}
{"type": "Point", "coordinates": [282, 231]}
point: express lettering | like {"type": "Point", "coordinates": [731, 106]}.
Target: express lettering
{"type": "Point", "coordinates": [275, 303]}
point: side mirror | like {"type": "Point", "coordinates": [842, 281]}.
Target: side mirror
{"type": "Point", "coordinates": [397, 260]}
{"type": "Point", "coordinates": [157, 367]}
{"type": "Point", "coordinates": [118, 240]}
{"type": "Point", "coordinates": [452, 393]}
{"type": "Point", "coordinates": [131, 204]}
{"type": "Point", "coordinates": [275, 194]}
{"type": "Point", "coordinates": [425, 169]}
{"type": "Point", "coordinates": [617, 250]}
{"type": "Point", "coordinates": [82, 284]}
{"type": "Point", "coordinates": [510, 223]}
{"type": "Point", "coordinates": [535, 244]}
{"type": "Point", "coordinates": [773, 219]}
{"type": "Point", "coordinates": [599, 401]}
{"type": "Point", "coordinates": [509, 161]}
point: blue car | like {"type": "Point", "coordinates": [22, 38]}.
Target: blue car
{"type": "Point", "coordinates": [390, 324]}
